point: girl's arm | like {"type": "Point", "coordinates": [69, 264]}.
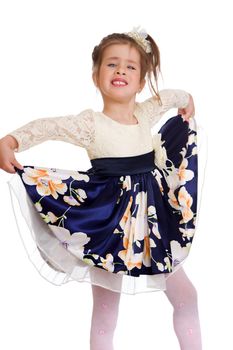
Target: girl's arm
{"type": "Point", "coordinates": [171, 98]}
{"type": "Point", "coordinates": [77, 129]}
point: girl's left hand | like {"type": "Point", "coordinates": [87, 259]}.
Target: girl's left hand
{"type": "Point", "coordinates": [188, 111]}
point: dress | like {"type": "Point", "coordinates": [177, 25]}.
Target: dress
{"type": "Point", "coordinates": [128, 222]}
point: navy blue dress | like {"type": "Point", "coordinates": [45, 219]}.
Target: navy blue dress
{"type": "Point", "coordinates": [126, 224]}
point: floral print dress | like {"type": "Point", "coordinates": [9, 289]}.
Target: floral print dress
{"type": "Point", "coordinates": [128, 222]}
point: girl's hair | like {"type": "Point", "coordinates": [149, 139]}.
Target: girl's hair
{"type": "Point", "coordinates": [150, 62]}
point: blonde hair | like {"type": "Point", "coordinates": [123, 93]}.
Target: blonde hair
{"type": "Point", "coordinates": [150, 62]}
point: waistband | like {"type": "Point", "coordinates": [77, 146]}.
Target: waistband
{"type": "Point", "coordinates": [115, 166]}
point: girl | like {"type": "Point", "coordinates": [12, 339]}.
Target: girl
{"type": "Point", "coordinates": [126, 224]}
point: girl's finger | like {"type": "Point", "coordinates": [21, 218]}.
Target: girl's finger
{"type": "Point", "coordinates": [17, 164]}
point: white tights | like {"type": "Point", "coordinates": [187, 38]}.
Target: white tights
{"type": "Point", "coordinates": [104, 318]}
{"type": "Point", "coordinates": [180, 292]}
{"type": "Point", "coordinates": [183, 296]}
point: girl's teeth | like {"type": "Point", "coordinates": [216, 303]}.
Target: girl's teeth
{"type": "Point", "coordinates": [119, 83]}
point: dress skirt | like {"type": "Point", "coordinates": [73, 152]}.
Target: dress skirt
{"type": "Point", "coordinates": [125, 224]}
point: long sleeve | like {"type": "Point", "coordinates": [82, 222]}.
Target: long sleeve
{"type": "Point", "coordinates": [171, 98]}
{"type": "Point", "coordinates": [76, 129]}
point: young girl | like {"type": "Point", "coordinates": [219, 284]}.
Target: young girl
{"type": "Point", "coordinates": [127, 224]}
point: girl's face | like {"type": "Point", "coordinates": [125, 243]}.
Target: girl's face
{"type": "Point", "coordinates": [119, 74]}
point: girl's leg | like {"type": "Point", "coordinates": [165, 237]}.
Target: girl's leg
{"type": "Point", "coordinates": [183, 297]}
{"type": "Point", "coordinates": [104, 318]}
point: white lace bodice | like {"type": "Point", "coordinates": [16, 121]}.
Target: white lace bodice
{"type": "Point", "coordinates": [100, 135]}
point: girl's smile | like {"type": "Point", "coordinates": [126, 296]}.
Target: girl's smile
{"type": "Point", "coordinates": [119, 82]}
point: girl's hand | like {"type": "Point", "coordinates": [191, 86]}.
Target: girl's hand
{"type": "Point", "coordinates": [7, 157]}
{"type": "Point", "coordinates": [188, 111]}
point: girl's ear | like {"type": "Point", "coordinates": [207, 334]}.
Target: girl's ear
{"type": "Point", "coordinates": [94, 78]}
{"type": "Point", "coordinates": [142, 84]}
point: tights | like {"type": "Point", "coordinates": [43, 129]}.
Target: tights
{"type": "Point", "coordinates": [104, 318]}
{"type": "Point", "coordinates": [183, 297]}
{"type": "Point", "coordinates": [181, 294]}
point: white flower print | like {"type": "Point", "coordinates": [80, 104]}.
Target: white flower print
{"type": "Point", "coordinates": [126, 183]}
{"type": "Point", "coordinates": [155, 230]}
{"type": "Point", "coordinates": [173, 200]}
{"type": "Point", "coordinates": [179, 253]}
{"type": "Point", "coordinates": [184, 174]}
{"type": "Point", "coordinates": [141, 223]}
{"type": "Point", "coordinates": [47, 182]}
{"type": "Point", "coordinates": [194, 150]}
{"type": "Point", "coordinates": [160, 266]}
{"type": "Point", "coordinates": [74, 243]}
{"type": "Point", "coordinates": [148, 244]}
{"type": "Point", "coordinates": [187, 233]}
{"type": "Point", "coordinates": [167, 264]}
{"type": "Point", "coordinates": [81, 194]}
{"type": "Point", "coordinates": [192, 139]}
{"type": "Point", "coordinates": [152, 211]}
{"type": "Point", "coordinates": [173, 179]}
{"type": "Point", "coordinates": [185, 201]}
{"type": "Point", "coordinates": [160, 151]}
{"type": "Point", "coordinates": [180, 176]}
{"type": "Point", "coordinates": [80, 177]}
{"type": "Point", "coordinates": [158, 177]}
{"type": "Point", "coordinates": [107, 263]}
{"type": "Point", "coordinates": [50, 217]}
{"type": "Point", "coordinates": [89, 261]}
{"type": "Point", "coordinates": [38, 206]}
{"type": "Point", "coordinates": [130, 259]}
{"type": "Point", "coordinates": [71, 200]}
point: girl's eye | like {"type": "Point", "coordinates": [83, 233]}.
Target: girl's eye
{"type": "Point", "coordinates": [113, 65]}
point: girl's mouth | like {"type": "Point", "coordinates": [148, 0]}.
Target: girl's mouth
{"type": "Point", "coordinates": [119, 82]}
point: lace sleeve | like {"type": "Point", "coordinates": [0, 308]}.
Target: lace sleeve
{"type": "Point", "coordinates": [76, 129]}
{"type": "Point", "coordinates": [170, 98]}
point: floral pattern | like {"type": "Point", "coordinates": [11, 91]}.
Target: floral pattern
{"type": "Point", "coordinates": [129, 224]}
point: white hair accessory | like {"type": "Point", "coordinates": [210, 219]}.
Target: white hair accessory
{"type": "Point", "coordinates": [140, 35]}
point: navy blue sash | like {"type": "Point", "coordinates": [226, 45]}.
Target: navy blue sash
{"type": "Point", "coordinates": [115, 166]}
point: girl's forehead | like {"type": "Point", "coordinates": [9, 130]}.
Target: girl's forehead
{"type": "Point", "coordinates": [121, 51]}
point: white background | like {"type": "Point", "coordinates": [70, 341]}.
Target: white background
{"type": "Point", "coordinates": [45, 70]}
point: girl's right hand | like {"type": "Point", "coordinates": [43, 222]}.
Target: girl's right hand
{"type": "Point", "coordinates": [7, 156]}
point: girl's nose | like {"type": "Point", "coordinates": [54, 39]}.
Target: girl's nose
{"type": "Point", "coordinates": [120, 71]}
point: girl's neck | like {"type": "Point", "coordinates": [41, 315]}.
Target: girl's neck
{"type": "Point", "coordinates": [122, 112]}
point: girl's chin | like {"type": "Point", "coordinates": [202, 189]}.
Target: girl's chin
{"type": "Point", "coordinates": [119, 95]}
